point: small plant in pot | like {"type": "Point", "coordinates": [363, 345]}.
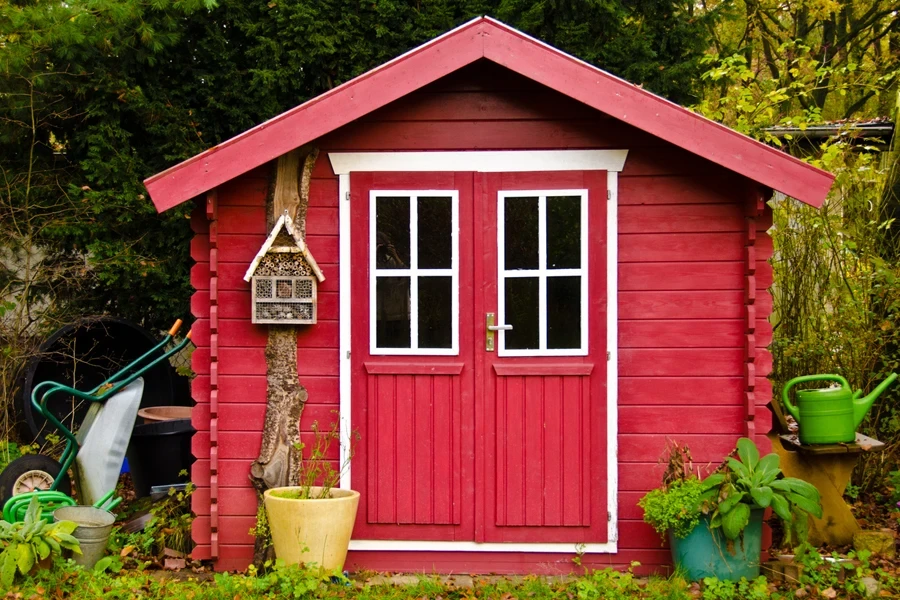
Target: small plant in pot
{"type": "Point", "coordinates": [311, 523]}
{"type": "Point", "coordinates": [715, 525]}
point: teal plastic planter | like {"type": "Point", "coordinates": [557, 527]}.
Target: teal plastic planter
{"type": "Point", "coordinates": [704, 553]}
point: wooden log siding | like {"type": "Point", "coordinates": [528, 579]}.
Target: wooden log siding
{"type": "Point", "coordinates": [762, 390]}
{"type": "Point", "coordinates": [203, 279]}
{"type": "Point", "coordinates": [682, 313]}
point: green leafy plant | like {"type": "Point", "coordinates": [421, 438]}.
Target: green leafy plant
{"type": "Point", "coordinates": [169, 527]}
{"type": "Point", "coordinates": [27, 542]}
{"type": "Point", "coordinates": [749, 481]}
{"type": "Point", "coordinates": [745, 589]}
{"type": "Point", "coordinates": [674, 507]}
{"type": "Point", "coordinates": [276, 580]}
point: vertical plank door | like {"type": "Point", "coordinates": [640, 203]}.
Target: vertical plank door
{"type": "Point", "coordinates": [412, 364]}
{"type": "Point", "coordinates": [542, 246]}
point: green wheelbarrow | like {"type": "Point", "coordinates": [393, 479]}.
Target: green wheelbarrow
{"type": "Point", "coordinates": [95, 453]}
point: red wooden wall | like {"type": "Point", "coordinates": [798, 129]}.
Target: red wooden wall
{"type": "Point", "coordinates": [692, 308]}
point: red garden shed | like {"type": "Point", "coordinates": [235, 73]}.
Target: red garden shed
{"type": "Point", "coordinates": [614, 240]}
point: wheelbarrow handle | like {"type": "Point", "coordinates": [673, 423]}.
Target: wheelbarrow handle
{"type": "Point", "coordinates": [175, 328]}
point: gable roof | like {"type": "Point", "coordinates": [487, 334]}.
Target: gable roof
{"type": "Point", "coordinates": [486, 38]}
{"type": "Point", "coordinates": [285, 221]}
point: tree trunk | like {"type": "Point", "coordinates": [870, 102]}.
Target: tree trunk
{"type": "Point", "coordinates": [279, 460]}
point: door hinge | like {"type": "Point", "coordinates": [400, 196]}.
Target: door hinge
{"type": "Point", "coordinates": [608, 516]}
{"type": "Point", "coordinates": [348, 355]}
{"type": "Point", "coordinates": [609, 194]}
{"type": "Point", "coordinates": [608, 355]}
{"type": "Point", "coordinates": [347, 196]}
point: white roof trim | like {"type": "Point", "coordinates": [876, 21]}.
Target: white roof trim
{"type": "Point", "coordinates": [490, 161]}
{"type": "Point", "coordinates": [285, 221]}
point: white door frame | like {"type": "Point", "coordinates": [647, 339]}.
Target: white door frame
{"type": "Point", "coordinates": [612, 161]}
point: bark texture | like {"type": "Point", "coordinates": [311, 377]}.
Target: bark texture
{"type": "Point", "coordinates": [278, 463]}
{"type": "Point", "coordinates": [279, 460]}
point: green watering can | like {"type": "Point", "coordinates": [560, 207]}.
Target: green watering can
{"type": "Point", "coordinates": [830, 415]}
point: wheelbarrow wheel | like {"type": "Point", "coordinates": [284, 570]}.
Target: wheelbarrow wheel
{"type": "Point", "coordinates": [30, 473]}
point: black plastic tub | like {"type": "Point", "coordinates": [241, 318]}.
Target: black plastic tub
{"type": "Point", "coordinates": [158, 453]}
{"type": "Point", "coordinates": [82, 355]}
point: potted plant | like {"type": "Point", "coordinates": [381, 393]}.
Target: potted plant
{"type": "Point", "coordinates": [715, 525]}
{"type": "Point", "coordinates": [311, 523]}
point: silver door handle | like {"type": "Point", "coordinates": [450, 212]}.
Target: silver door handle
{"type": "Point", "coordinates": [490, 329]}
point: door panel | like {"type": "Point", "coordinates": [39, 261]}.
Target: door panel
{"type": "Point", "coordinates": [413, 433]}
{"type": "Point", "coordinates": [411, 361]}
{"type": "Point", "coordinates": [544, 393]}
{"type": "Point", "coordinates": [542, 445]}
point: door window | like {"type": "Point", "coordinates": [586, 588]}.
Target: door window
{"type": "Point", "coordinates": [414, 288]}
{"type": "Point", "coordinates": [542, 288]}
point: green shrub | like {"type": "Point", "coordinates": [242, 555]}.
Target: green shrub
{"type": "Point", "coordinates": [675, 507]}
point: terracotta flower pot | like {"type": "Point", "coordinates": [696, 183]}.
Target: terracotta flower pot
{"type": "Point", "coordinates": [312, 531]}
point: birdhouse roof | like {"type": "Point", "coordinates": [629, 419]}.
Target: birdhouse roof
{"type": "Point", "coordinates": [300, 247]}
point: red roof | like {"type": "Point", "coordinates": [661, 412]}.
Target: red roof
{"type": "Point", "coordinates": [485, 38]}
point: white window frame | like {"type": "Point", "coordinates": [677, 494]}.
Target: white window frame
{"type": "Point", "coordinates": [612, 161]}
{"type": "Point", "coordinates": [414, 273]}
{"type": "Point", "coordinates": [542, 273]}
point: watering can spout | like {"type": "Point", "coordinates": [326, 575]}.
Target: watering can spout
{"type": "Point", "coordinates": [861, 406]}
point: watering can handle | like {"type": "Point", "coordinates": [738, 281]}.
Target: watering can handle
{"type": "Point", "coordinates": [803, 379]}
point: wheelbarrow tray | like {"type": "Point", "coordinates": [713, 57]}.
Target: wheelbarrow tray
{"type": "Point", "coordinates": [103, 439]}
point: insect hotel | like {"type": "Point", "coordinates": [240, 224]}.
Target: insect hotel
{"type": "Point", "coordinates": [542, 272]}
{"type": "Point", "coordinates": [283, 278]}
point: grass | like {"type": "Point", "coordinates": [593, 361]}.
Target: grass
{"type": "Point", "coordinates": [65, 580]}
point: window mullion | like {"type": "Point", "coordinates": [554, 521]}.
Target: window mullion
{"type": "Point", "coordinates": [542, 272]}
{"type": "Point", "coordinates": [414, 272]}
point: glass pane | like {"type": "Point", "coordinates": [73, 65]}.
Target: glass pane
{"type": "Point", "coordinates": [563, 232]}
{"type": "Point", "coordinates": [563, 312]}
{"type": "Point", "coordinates": [435, 312]}
{"type": "Point", "coordinates": [392, 233]}
{"type": "Point", "coordinates": [392, 312]}
{"type": "Point", "coordinates": [520, 222]}
{"type": "Point", "coordinates": [435, 244]}
{"type": "Point", "coordinates": [521, 308]}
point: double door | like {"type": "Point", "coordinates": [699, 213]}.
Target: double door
{"type": "Point", "coordinates": [478, 356]}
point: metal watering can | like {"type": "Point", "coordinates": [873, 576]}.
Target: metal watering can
{"type": "Point", "coordinates": [830, 415]}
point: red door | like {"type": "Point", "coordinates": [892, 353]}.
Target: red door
{"type": "Point", "coordinates": [544, 383]}
{"type": "Point", "coordinates": [470, 434]}
{"type": "Point", "coordinates": [412, 364]}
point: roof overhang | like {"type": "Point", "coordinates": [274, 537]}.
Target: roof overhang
{"type": "Point", "coordinates": [486, 38]}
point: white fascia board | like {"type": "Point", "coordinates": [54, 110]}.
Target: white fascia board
{"type": "Point", "coordinates": [506, 161]}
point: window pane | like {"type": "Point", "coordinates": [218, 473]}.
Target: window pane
{"type": "Point", "coordinates": [392, 312]}
{"type": "Point", "coordinates": [520, 222]}
{"type": "Point", "coordinates": [563, 312]}
{"type": "Point", "coordinates": [435, 243]}
{"type": "Point", "coordinates": [521, 308]}
{"type": "Point", "coordinates": [563, 232]}
{"type": "Point", "coordinates": [435, 312]}
{"type": "Point", "coordinates": [392, 233]}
